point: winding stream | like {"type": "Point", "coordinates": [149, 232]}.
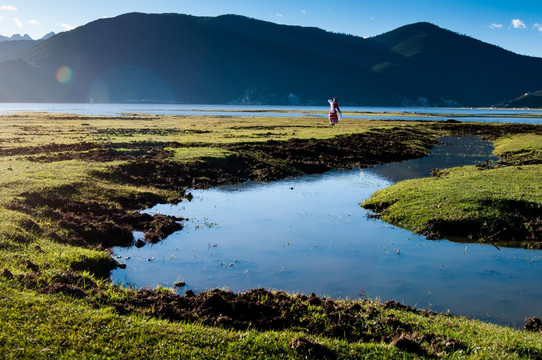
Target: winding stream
{"type": "Point", "coordinates": [309, 234]}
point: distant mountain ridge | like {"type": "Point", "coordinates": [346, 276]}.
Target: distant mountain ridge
{"type": "Point", "coordinates": [15, 37]}
{"type": "Point", "coordinates": [527, 100]}
{"type": "Point", "coordinates": [176, 58]}
{"type": "Point", "coordinates": [18, 37]}
{"type": "Point", "coordinates": [17, 42]}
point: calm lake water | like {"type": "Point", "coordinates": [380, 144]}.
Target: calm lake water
{"type": "Point", "coordinates": [467, 114]}
{"type": "Point", "coordinates": [309, 234]}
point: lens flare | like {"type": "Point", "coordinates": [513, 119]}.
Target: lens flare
{"type": "Point", "coordinates": [64, 74]}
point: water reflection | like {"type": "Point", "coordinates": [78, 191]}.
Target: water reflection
{"type": "Point", "coordinates": [452, 152]}
{"type": "Point", "coordinates": [310, 234]}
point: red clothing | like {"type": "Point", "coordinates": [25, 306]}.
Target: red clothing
{"type": "Point", "coordinates": [333, 109]}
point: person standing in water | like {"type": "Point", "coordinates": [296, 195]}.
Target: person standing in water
{"type": "Point", "coordinates": [334, 111]}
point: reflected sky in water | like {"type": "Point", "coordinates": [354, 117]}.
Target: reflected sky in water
{"type": "Point", "coordinates": [309, 234]}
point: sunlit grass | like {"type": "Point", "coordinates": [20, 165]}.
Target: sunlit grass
{"type": "Point", "coordinates": [466, 194]}
{"type": "Point", "coordinates": [187, 154]}
{"type": "Point", "coordinates": [520, 148]}
{"type": "Point", "coordinates": [35, 324]}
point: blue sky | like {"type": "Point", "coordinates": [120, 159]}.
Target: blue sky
{"type": "Point", "coordinates": [515, 25]}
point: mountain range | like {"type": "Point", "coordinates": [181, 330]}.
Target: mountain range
{"type": "Point", "coordinates": [18, 37]}
{"type": "Point", "coordinates": [17, 42]}
{"type": "Point", "coordinates": [231, 59]}
{"type": "Point", "coordinates": [15, 37]}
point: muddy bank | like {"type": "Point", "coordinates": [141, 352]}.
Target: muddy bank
{"type": "Point", "coordinates": [263, 310]}
{"type": "Point", "coordinates": [91, 223]}
{"type": "Point", "coordinates": [273, 160]}
{"type": "Point", "coordinates": [521, 226]}
{"type": "Point", "coordinates": [485, 130]}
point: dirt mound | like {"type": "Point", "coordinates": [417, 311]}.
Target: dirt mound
{"type": "Point", "coordinates": [311, 349]}
{"type": "Point", "coordinates": [94, 223]}
{"type": "Point", "coordinates": [533, 324]}
{"type": "Point", "coordinates": [48, 148]}
{"type": "Point", "coordinates": [265, 310]}
{"type": "Point", "coordinates": [168, 174]}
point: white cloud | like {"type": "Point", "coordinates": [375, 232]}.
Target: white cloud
{"type": "Point", "coordinates": [495, 26]}
{"type": "Point", "coordinates": [518, 24]}
{"type": "Point", "coordinates": [18, 22]}
{"type": "Point", "coordinates": [303, 11]}
{"type": "Point", "coordinates": [1, 17]}
{"type": "Point", "coordinates": [67, 27]}
{"type": "Point", "coordinates": [279, 15]}
{"type": "Point", "coordinates": [537, 26]}
{"type": "Point", "coordinates": [34, 22]}
{"type": "Point", "coordinates": [8, 8]}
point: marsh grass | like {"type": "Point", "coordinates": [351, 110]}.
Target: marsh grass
{"type": "Point", "coordinates": [54, 302]}
{"type": "Point", "coordinates": [503, 201]}
{"type": "Point", "coordinates": [520, 149]}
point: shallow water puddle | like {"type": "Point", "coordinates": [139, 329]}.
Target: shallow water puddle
{"type": "Point", "coordinates": [309, 234]}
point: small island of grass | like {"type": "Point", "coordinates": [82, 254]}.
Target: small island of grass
{"type": "Point", "coordinates": [499, 203]}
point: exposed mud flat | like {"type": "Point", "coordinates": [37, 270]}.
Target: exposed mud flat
{"type": "Point", "coordinates": [272, 160]}
{"type": "Point", "coordinates": [486, 130]}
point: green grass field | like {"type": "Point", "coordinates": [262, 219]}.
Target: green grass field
{"type": "Point", "coordinates": [61, 196]}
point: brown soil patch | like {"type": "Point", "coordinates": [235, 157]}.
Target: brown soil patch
{"type": "Point", "coordinates": [265, 310]}
{"type": "Point", "coordinates": [311, 349]}
{"type": "Point", "coordinates": [533, 324]}
{"type": "Point", "coordinates": [273, 160]}
{"type": "Point", "coordinates": [89, 151]}
{"type": "Point", "coordinates": [409, 343]}
{"type": "Point", "coordinates": [488, 131]}
{"type": "Point", "coordinates": [346, 151]}
{"type": "Point", "coordinates": [147, 131]}
{"type": "Point", "coordinates": [93, 223]}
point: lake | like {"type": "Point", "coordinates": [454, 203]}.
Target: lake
{"type": "Point", "coordinates": [524, 116]}
{"type": "Point", "coordinates": [309, 234]}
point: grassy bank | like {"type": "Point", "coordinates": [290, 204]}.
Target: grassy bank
{"type": "Point", "coordinates": [495, 203]}
{"type": "Point", "coordinates": [70, 189]}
